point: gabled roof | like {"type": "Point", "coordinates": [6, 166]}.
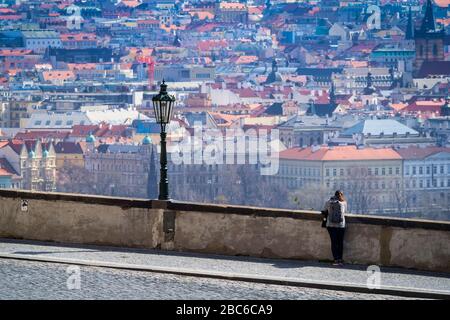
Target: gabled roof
{"type": "Point", "coordinates": [339, 153]}
{"type": "Point", "coordinates": [6, 169]}
{"type": "Point", "coordinates": [33, 135]}
{"type": "Point", "coordinates": [420, 153]}
{"type": "Point", "coordinates": [425, 106]}
{"type": "Point", "coordinates": [68, 148]}
{"type": "Point", "coordinates": [433, 68]}
{"type": "Point", "coordinates": [376, 127]}
{"type": "Point", "coordinates": [58, 75]}
{"type": "Point", "coordinates": [322, 110]}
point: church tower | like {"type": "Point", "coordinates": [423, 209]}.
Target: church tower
{"type": "Point", "coordinates": [429, 40]}
{"type": "Point", "coordinates": [409, 35]}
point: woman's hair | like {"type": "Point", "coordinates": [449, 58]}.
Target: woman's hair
{"type": "Point", "coordinates": [340, 195]}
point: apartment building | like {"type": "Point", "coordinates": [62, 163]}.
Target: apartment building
{"type": "Point", "coordinates": [354, 170]}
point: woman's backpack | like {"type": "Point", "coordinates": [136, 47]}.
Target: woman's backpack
{"type": "Point", "coordinates": [335, 215]}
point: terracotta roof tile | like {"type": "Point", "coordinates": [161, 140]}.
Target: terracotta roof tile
{"type": "Point", "coordinates": [340, 153]}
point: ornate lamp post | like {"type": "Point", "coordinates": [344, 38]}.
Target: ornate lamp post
{"type": "Point", "coordinates": [163, 106]}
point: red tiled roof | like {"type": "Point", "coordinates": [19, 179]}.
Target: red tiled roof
{"type": "Point", "coordinates": [6, 169]}
{"type": "Point", "coordinates": [83, 130]}
{"type": "Point", "coordinates": [81, 66]}
{"type": "Point", "coordinates": [16, 145]}
{"type": "Point", "coordinates": [233, 6]}
{"type": "Point", "coordinates": [206, 45]}
{"type": "Point", "coordinates": [148, 21]}
{"type": "Point", "coordinates": [425, 106]}
{"type": "Point", "coordinates": [58, 75]}
{"type": "Point", "coordinates": [339, 153]}
{"type": "Point", "coordinates": [420, 153]}
{"type": "Point", "coordinates": [102, 132]}
{"type": "Point", "coordinates": [10, 17]}
{"type": "Point", "coordinates": [208, 27]}
{"type": "Point", "coordinates": [6, 10]}
{"type": "Point", "coordinates": [14, 52]}
{"type": "Point", "coordinates": [202, 15]}
{"type": "Point", "coordinates": [130, 3]}
{"type": "Point", "coordinates": [33, 135]}
{"type": "Point", "coordinates": [246, 93]}
{"type": "Point", "coordinates": [244, 59]}
{"type": "Point", "coordinates": [442, 3]}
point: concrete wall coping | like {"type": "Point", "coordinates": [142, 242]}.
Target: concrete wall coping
{"type": "Point", "coordinates": [217, 208]}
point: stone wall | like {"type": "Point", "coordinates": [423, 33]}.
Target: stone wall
{"type": "Point", "coordinates": [221, 229]}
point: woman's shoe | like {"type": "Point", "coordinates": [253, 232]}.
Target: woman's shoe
{"type": "Point", "coordinates": [336, 263]}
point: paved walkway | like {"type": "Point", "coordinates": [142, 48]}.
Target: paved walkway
{"type": "Point", "coordinates": [233, 267]}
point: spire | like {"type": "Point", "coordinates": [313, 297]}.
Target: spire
{"type": "Point", "coordinates": [369, 89]}
{"type": "Point", "coordinates": [176, 41]}
{"type": "Point", "coordinates": [274, 75]}
{"type": "Point", "coordinates": [369, 79]}
{"type": "Point", "coordinates": [409, 27]}
{"type": "Point", "coordinates": [332, 94]}
{"type": "Point", "coordinates": [274, 66]}
{"type": "Point", "coordinates": [428, 23]}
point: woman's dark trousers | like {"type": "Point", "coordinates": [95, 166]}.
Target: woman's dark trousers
{"type": "Point", "coordinates": [337, 242]}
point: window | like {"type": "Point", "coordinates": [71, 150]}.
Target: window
{"type": "Point", "coordinates": [413, 170]}
{"type": "Point", "coordinates": [376, 171]}
{"type": "Point", "coordinates": [442, 169]}
{"type": "Point", "coordinates": [428, 169]}
{"type": "Point", "coordinates": [327, 172]}
{"type": "Point", "coordinates": [390, 171]}
{"type": "Point", "coordinates": [47, 123]}
{"type": "Point", "coordinates": [420, 170]}
{"type": "Point", "coordinates": [37, 122]}
{"type": "Point", "coordinates": [383, 171]}
{"type": "Point", "coordinates": [341, 172]}
{"type": "Point", "coordinates": [58, 122]}
{"type": "Point", "coordinates": [334, 172]}
{"type": "Point", "coordinates": [397, 170]}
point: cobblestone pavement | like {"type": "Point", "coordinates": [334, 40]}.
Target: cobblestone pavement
{"type": "Point", "coordinates": [304, 270]}
{"type": "Point", "coordinates": [37, 280]}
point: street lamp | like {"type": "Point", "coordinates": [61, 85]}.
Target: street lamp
{"type": "Point", "coordinates": [163, 106]}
